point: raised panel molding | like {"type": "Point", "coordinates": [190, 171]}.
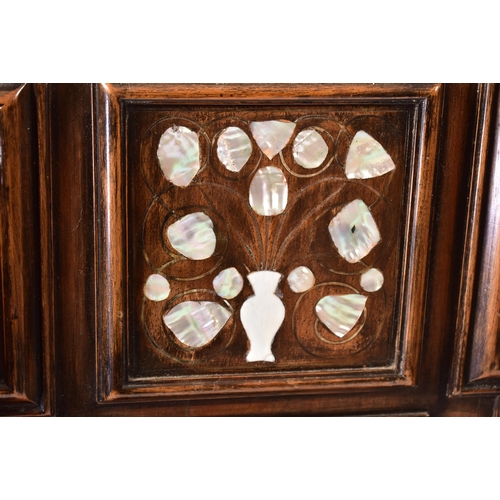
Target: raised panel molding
{"type": "Point", "coordinates": [132, 368]}
{"type": "Point", "coordinates": [24, 363]}
{"type": "Point", "coordinates": [476, 363]}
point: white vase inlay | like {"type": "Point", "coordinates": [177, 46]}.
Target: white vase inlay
{"type": "Point", "coordinates": [262, 315]}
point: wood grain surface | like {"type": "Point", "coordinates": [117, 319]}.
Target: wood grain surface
{"type": "Point", "coordinates": [85, 208]}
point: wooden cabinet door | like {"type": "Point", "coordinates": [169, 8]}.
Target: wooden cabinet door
{"type": "Point", "coordinates": [425, 343]}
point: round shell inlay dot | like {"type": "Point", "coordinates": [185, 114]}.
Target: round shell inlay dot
{"type": "Point", "coordinates": [234, 148]}
{"type": "Point", "coordinates": [301, 279]}
{"type": "Point", "coordinates": [157, 288]}
{"type": "Point", "coordinates": [372, 280]}
{"type": "Point", "coordinates": [309, 149]}
{"type": "Point", "coordinates": [193, 236]}
{"type": "Point", "coordinates": [228, 283]}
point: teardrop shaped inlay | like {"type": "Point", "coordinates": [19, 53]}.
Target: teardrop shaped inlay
{"type": "Point", "coordinates": [367, 158]}
{"type": "Point", "coordinates": [339, 313]}
{"type": "Point", "coordinates": [179, 155]}
{"type": "Point", "coordinates": [234, 148]}
{"type": "Point", "coordinates": [272, 136]}
{"type": "Point", "coordinates": [196, 323]}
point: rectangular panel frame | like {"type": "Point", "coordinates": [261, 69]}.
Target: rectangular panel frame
{"type": "Point", "coordinates": [111, 240]}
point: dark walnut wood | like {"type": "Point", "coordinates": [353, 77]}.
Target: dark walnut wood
{"type": "Point", "coordinates": [24, 358]}
{"type": "Point", "coordinates": [93, 228]}
{"type": "Point", "coordinates": [477, 350]}
{"type": "Point", "coordinates": [140, 359]}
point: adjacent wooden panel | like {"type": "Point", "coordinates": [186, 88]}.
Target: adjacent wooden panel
{"type": "Point", "coordinates": [476, 367]}
{"type": "Point", "coordinates": [24, 363]}
{"type": "Point", "coordinates": [136, 360]}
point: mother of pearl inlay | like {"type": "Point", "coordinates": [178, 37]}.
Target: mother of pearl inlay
{"type": "Point", "coordinates": [157, 288]}
{"type": "Point", "coordinates": [234, 148]}
{"type": "Point", "coordinates": [179, 155]}
{"type": "Point", "coordinates": [367, 158]}
{"type": "Point", "coordinates": [193, 236]}
{"type": "Point", "coordinates": [272, 136]}
{"type": "Point", "coordinates": [268, 191]}
{"type": "Point", "coordinates": [301, 279]}
{"type": "Point", "coordinates": [228, 283]}
{"type": "Point", "coordinates": [339, 313]}
{"type": "Point", "coordinates": [309, 149]}
{"type": "Point", "coordinates": [354, 231]}
{"type": "Point", "coordinates": [372, 280]}
{"type": "Point", "coordinates": [196, 323]}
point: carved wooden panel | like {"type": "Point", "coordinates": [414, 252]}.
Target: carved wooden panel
{"type": "Point", "coordinates": [23, 348]}
{"type": "Point", "coordinates": [476, 367]}
{"type": "Point", "coordinates": [139, 358]}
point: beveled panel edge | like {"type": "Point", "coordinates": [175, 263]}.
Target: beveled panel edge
{"type": "Point", "coordinates": [415, 263]}
{"type": "Point", "coordinates": [270, 92]}
{"type": "Point", "coordinates": [46, 248]}
{"type": "Point", "coordinates": [227, 386]}
{"type": "Point", "coordinates": [480, 261]}
{"type": "Point", "coordinates": [109, 268]}
{"type": "Point", "coordinates": [112, 379]}
{"type": "Point", "coordinates": [24, 390]}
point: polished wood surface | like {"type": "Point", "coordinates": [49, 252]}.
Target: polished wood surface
{"type": "Point", "coordinates": [81, 206]}
{"type": "Point", "coordinates": [24, 365]}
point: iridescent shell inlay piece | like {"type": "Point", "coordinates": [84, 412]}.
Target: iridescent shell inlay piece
{"type": "Point", "coordinates": [309, 149]}
{"type": "Point", "coordinates": [157, 288]}
{"type": "Point", "coordinates": [372, 280]}
{"type": "Point", "coordinates": [234, 148]}
{"type": "Point", "coordinates": [272, 136]}
{"type": "Point", "coordinates": [228, 283]}
{"type": "Point", "coordinates": [193, 236]}
{"type": "Point", "coordinates": [196, 323]}
{"type": "Point", "coordinates": [339, 313]}
{"type": "Point", "coordinates": [179, 155]}
{"type": "Point", "coordinates": [268, 191]}
{"type": "Point", "coordinates": [301, 279]}
{"type": "Point", "coordinates": [367, 158]}
{"type": "Point", "coordinates": [354, 231]}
